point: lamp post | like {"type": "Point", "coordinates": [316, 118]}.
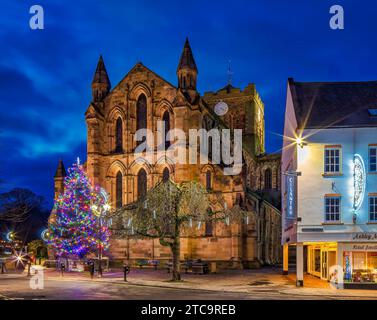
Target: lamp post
{"type": "Point", "coordinates": [100, 212]}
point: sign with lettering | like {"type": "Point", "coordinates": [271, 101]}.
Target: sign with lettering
{"type": "Point", "coordinates": [360, 247]}
{"type": "Point", "coordinates": [364, 236]}
{"type": "Point", "coordinates": [290, 212]}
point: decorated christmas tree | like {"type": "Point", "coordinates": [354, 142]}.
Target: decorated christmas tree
{"type": "Point", "coordinates": [76, 227]}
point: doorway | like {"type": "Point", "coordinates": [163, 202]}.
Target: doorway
{"type": "Point", "coordinates": [324, 265]}
{"type": "Point", "coordinates": [328, 259]}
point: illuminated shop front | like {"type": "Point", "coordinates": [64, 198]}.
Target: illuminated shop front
{"type": "Point", "coordinates": [360, 263]}
{"type": "Point", "coordinates": [357, 262]}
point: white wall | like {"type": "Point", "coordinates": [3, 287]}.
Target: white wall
{"type": "Point", "coordinates": [312, 185]}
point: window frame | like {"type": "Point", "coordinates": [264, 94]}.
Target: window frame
{"type": "Point", "coordinates": [334, 213]}
{"type": "Point", "coordinates": [268, 179]}
{"type": "Point", "coordinates": [340, 164]}
{"type": "Point", "coordinates": [372, 147]}
{"type": "Point", "coordinates": [374, 198]}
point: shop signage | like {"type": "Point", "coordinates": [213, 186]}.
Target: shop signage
{"type": "Point", "coordinates": [360, 247]}
{"type": "Point", "coordinates": [364, 236]}
{"type": "Point", "coordinates": [291, 196]}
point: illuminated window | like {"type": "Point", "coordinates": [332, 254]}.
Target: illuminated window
{"type": "Point", "coordinates": [372, 159]}
{"type": "Point", "coordinates": [332, 160]}
{"type": "Point", "coordinates": [373, 209]}
{"type": "Point", "coordinates": [332, 209]}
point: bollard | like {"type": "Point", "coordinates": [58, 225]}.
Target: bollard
{"type": "Point", "coordinates": [91, 269]}
{"type": "Point", "coordinates": [126, 270]}
{"type": "Point", "coordinates": [28, 268]}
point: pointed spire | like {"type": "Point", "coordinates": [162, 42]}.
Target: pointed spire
{"type": "Point", "coordinates": [100, 76]}
{"type": "Point", "coordinates": [60, 171]}
{"type": "Point", "coordinates": [187, 58]}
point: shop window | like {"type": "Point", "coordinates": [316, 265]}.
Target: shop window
{"type": "Point", "coordinates": [332, 209]}
{"type": "Point", "coordinates": [360, 267]}
{"type": "Point", "coordinates": [373, 209]}
{"type": "Point", "coordinates": [372, 159]}
{"type": "Point", "coordinates": [332, 160]}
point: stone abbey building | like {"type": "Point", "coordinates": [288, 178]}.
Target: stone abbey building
{"type": "Point", "coordinates": [141, 99]}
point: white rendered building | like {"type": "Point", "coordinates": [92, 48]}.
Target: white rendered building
{"type": "Point", "coordinates": [329, 186]}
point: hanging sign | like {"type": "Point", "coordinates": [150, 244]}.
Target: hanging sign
{"type": "Point", "coordinates": [290, 212]}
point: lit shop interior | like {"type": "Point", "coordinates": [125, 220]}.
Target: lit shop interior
{"type": "Point", "coordinates": [358, 266]}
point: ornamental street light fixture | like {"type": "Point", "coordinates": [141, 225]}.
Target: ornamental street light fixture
{"type": "Point", "coordinates": [100, 212]}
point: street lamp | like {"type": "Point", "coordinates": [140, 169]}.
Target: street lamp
{"type": "Point", "coordinates": [300, 142]}
{"type": "Point", "coordinates": [100, 211]}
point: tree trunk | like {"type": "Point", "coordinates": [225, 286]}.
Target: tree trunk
{"type": "Point", "coordinates": [176, 276]}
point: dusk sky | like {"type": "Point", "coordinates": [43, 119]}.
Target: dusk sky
{"type": "Point", "coordinates": [45, 75]}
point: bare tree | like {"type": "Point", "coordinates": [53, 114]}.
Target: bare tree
{"type": "Point", "coordinates": [168, 210]}
{"type": "Point", "coordinates": [16, 205]}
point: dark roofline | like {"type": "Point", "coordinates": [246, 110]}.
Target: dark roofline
{"type": "Point", "coordinates": [347, 102]}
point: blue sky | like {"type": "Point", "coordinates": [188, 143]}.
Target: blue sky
{"type": "Point", "coordinates": [45, 75]}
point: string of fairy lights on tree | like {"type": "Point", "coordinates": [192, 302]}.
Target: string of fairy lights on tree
{"type": "Point", "coordinates": [75, 229]}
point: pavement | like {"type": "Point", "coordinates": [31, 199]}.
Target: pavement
{"type": "Point", "coordinates": [264, 283]}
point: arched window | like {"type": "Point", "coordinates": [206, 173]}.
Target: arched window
{"type": "Point", "coordinates": [119, 135]}
{"type": "Point", "coordinates": [119, 190]}
{"type": "Point", "coordinates": [166, 119]}
{"type": "Point", "coordinates": [141, 115]}
{"type": "Point", "coordinates": [141, 184]}
{"type": "Point", "coordinates": [165, 175]}
{"type": "Point", "coordinates": [268, 179]}
{"type": "Point", "coordinates": [208, 180]}
{"type": "Point", "coordinates": [209, 229]}
{"type": "Point", "coordinates": [210, 142]}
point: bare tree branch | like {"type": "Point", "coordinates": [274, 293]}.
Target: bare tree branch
{"type": "Point", "coordinates": [16, 205]}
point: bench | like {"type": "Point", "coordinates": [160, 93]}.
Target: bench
{"type": "Point", "coordinates": [142, 263]}
{"type": "Point", "coordinates": [200, 267]}
{"type": "Point", "coordinates": [194, 266]}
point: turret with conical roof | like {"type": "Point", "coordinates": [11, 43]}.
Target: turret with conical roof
{"type": "Point", "coordinates": [60, 174]}
{"type": "Point", "coordinates": [101, 83]}
{"type": "Point", "coordinates": [187, 71]}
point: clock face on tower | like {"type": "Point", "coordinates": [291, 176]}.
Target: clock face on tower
{"type": "Point", "coordinates": [221, 108]}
